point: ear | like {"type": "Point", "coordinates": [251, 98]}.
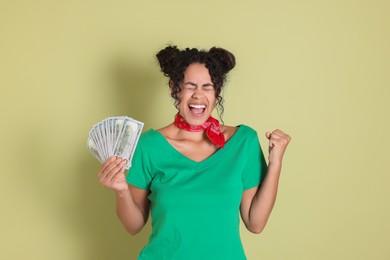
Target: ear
{"type": "Point", "coordinates": [171, 85]}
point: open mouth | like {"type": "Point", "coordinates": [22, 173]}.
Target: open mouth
{"type": "Point", "coordinates": [197, 109]}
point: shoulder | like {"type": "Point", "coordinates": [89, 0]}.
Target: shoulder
{"type": "Point", "coordinates": [245, 130]}
{"type": "Point", "coordinates": [228, 131]}
{"type": "Point", "coordinates": [167, 131]}
{"type": "Point", "coordinates": [148, 136]}
{"type": "Point", "coordinates": [148, 142]}
{"type": "Point", "coordinates": [148, 133]}
{"type": "Point", "coordinates": [249, 130]}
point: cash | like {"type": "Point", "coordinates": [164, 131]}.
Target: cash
{"type": "Point", "coordinates": [115, 136]}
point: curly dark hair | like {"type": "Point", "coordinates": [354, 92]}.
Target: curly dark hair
{"type": "Point", "coordinates": [173, 62]}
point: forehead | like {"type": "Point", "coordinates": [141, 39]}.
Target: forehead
{"type": "Point", "coordinates": [197, 72]}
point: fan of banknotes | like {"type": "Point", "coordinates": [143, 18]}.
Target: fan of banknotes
{"type": "Point", "coordinates": [115, 136]}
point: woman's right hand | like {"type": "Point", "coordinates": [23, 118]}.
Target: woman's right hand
{"type": "Point", "coordinates": [112, 174]}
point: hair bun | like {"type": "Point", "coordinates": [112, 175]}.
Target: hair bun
{"type": "Point", "coordinates": [224, 57]}
{"type": "Point", "coordinates": [166, 58]}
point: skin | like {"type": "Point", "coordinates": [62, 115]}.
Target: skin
{"type": "Point", "coordinates": [132, 203]}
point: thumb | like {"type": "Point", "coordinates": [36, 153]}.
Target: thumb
{"type": "Point", "coordinates": [271, 145]}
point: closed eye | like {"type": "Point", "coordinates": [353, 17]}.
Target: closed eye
{"type": "Point", "coordinates": [193, 86]}
{"type": "Point", "coordinates": [208, 87]}
{"type": "Point", "coordinates": [190, 86]}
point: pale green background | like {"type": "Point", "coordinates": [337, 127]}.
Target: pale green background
{"type": "Point", "coordinates": [317, 69]}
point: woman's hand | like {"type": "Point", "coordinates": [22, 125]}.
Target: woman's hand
{"type": "Point", "coordinates": [278, 142]}
{"type": "Point", "coordinates": [112, 174]}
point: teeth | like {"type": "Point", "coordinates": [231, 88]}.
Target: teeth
{"type": "Point", "coordinates": [198, 106]}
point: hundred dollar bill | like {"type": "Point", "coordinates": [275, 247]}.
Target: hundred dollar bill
{"type": "Point", "coordinates": [94, 149]}
{"type": "Point", "coordinates": [127, 140]}
{"type": "Point", "coordinates": [115, 136]}
{"type": "Point", "coordinates": [94, 137]}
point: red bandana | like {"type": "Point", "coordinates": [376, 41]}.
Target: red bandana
{"type": "Point", "coordinates": [211, 126]}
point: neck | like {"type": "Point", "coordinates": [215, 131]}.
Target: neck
{"type": "Point", "coordinates": [211, 128]}
{"type": "Point", "coordinates": [183, 134]}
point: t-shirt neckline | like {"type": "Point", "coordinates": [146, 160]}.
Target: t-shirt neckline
{"type": "Point", "coordinates": [214, 157]}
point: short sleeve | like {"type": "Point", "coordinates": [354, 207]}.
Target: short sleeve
{"type": "Point", "coordinates": [139, 173]}
{"type": "Point", "coordinates": [256, 166]}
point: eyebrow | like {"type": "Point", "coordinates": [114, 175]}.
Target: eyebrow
{"type": "Point", "coordinates": [204, 85]}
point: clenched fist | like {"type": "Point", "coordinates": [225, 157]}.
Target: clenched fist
{"type": "Point", "coordinates": [278, 142]}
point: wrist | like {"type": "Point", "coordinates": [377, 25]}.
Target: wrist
{"type": "Point", "coordinates": [122, 193]}
{"type": "Point", "coordinates": [275, 165]}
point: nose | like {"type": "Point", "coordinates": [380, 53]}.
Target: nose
{"type": "Point", "coordinates": [196, 93]}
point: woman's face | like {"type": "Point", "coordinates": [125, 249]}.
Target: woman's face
{"type": "Point", "coordinates": [197, 95]}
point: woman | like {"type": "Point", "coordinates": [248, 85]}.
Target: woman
{"type": "Point", "coordinates": [195, 175]}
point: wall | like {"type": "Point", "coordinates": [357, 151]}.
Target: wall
{"type": "Point", "coordinates": [319, 70]}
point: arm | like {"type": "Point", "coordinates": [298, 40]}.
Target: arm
{"type": "Point", "coordinates": [132, 207]}
{"type": "Point", "coordinates": [132, 204]}
{"type": "Point", "coordinates": [257, 203]}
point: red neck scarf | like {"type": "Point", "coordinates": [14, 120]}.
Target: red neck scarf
{"type": "Point", "coordinates": [211, 126]}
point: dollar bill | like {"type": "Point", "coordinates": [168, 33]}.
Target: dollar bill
{"type": "Point", "coordinates": [115, 136]}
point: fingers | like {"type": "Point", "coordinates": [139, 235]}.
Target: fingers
{"type": "Point", "coordinates": [278, 141]}
{"type": "Point", "coordinates": [110, 169]}
{"type": "Point", "coordinates": [108, 162]}
{"type": "Point", "coordinates": [277, 134]}
{"type": "Point", "coordinates": [277, 137]}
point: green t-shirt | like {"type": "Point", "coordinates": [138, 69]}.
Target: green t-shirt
{"type": "Point", "coordinates": [195, 205]}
